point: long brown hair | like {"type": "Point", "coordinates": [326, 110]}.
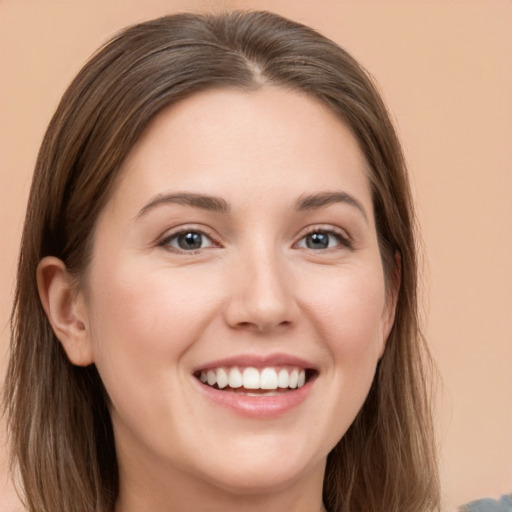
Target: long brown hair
{"type": "Point", "coordinates": [58, 418]}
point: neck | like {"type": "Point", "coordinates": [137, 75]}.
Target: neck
{"type": "Point", "coordinates": [170, 491]}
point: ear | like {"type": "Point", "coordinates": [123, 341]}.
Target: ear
{"type": "Point", "coordinates": [65, 310]}
{"type": "Point", "coordinates": [393, 289]}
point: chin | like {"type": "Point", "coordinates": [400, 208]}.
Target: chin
{"type": "Point", "coordinates": [259, 478]}
{"type": "Point", "coordinates": [265, 466]}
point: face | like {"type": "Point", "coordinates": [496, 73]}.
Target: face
{"type": "Point", "coordinates": [235, 301]}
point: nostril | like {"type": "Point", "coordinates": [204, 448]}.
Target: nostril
{"type": "Point", "coordinates": [261, 304]}
{"type": "Point", "coordinates": [261, 326]}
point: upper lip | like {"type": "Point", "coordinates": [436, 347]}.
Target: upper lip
{"type": "Point", "coordinates": [257, 361]}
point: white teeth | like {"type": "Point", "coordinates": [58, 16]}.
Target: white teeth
{"type": "Point", "coordinates": [235, 378]}
{"type": "Point", "coordinates": [283, 378]}
{"type": "Point", "coordinates": [211, 377]}
{"type": "Point", "coordinates": [294, 378]}
{"type": "Point", "coordinates": [268, 379]}
{"type": "Point", "coordinates": [302, 378]}
{"type": "Point", "coordinates": [222, 378]}
{"type": "Point", "coordinates": [251, 378]}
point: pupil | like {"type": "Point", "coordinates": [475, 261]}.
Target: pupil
{"type": "Point", "coordinates": [190, 240]}
{"type": "Point", "coordinates": [317, 241]}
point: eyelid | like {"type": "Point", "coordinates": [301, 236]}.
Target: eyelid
{"type": "Point", "coordinates": [164, 240]}
{"type": "Point", "coordinates": [344, 238]}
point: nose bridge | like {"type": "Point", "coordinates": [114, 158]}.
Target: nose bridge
{"type": "Point", "coordinates": [262, 297]}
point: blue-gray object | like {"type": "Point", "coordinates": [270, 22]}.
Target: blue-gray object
{"type": "Point", "coordinates": [504, 504]}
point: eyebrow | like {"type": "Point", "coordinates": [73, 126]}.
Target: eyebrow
{"type": "Point", "coordinates": [219, 205]}
{"type": "Point", "coordinates": [210, 203]}
{"type": "Point", "coordinates": [313, 201]}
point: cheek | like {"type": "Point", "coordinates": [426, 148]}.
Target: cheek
{"type": "Point", "coordinates": [348, 308]}
{"type": "Point", "coordinates": [347, 315]}
{"type": "Point", "coordinates": [142, 322]}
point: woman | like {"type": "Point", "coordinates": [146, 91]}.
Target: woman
{"type": "Point", "coordinates": [225, 311]}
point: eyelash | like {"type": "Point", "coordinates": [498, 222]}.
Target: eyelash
{"type": "Point", "coordinates": [166, 242]}
{"type": "Point", "coordinates": [341, 238]}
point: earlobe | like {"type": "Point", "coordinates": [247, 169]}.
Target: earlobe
{"type": "Point", "coordinates": [64, 309]}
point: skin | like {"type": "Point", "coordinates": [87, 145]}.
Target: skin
{"type": "Point", "coordinates": [150, 313]}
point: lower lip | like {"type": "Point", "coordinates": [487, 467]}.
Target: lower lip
{"type": "Point", "coordinates": [257, 406]}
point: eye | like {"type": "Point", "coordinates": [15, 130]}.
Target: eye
{"type": "Point", "coordinates": [188, 240]}
{"type": "Point", "coordinates": [323, 239]}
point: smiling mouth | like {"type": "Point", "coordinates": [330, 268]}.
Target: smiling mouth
{"type": "Point", "coordinates": [251, 381]}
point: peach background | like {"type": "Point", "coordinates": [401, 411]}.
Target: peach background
{"type": "Point", "coordinates": [444, 69]}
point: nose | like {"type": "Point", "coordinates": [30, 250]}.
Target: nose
{"type": "Point", "coordinates": [261, 295]}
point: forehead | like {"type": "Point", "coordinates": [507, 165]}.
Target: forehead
{"type": "Point", "coordinates": [229, 140]}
